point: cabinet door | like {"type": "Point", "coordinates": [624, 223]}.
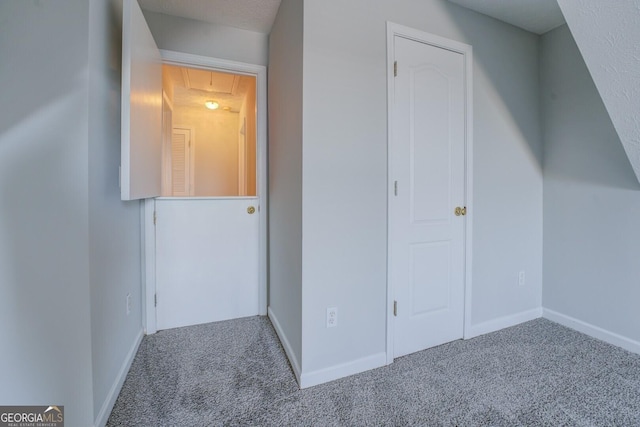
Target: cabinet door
{"type": "Point", "coordinates": [141, 162]}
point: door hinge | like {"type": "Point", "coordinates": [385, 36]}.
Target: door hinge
{"type": "Point", "coordinates": [395, 68]}
{"type": "Point", "coordinates": [155, 300]}
{"type": "Point", "coordinates": [155, 218]}
{"type": "Point", "coordinates": [395, 308]}
{"type": "Point", "coordinates": [395, 188]}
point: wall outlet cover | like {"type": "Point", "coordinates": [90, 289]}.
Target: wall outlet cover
{"type": "Point", "coordinates": [332, 317]}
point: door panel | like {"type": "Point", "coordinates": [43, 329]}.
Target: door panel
{"type": "Point", "coordinates": [207, 257]}
{"type": "Point", "coordinates": [141, 121]}
{"type": "Point", "coordinates": [427, 161]}
{"type": "Point", "coordinates": [430, 264]}
{"type": "Point", "coordinates": [430, 164]}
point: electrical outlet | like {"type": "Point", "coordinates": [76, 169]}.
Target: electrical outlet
{"type": "Point", "coordinates": [128, 304]}
{"type": "Point", "coordinates": [332, 317]}
{"type": "Point", "coordinates": [521, 278]}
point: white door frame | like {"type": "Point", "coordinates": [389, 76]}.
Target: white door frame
{"type": "Point", "coordinates": [466, 50]}
{"type": "Point", "coordinates": [149, 243]}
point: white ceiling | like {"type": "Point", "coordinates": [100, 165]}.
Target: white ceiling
{"type": "Point", "coordinates": [193, 87]}
{"type": "Point", "coordinates": [252, 15]}
{"type": "Point", "coordinates": [537, 16]}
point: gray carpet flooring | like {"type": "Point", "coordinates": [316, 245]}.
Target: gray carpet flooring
{"type": "Point", "coordinates": [236, 373]}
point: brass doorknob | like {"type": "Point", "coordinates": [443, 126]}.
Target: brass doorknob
{"type": "Point", "coordinates": [460, 211]}
{"type": "Point", "coordinates": [251, 210]}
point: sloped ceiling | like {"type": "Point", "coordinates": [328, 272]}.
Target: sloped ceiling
{"type": "Point", "coordinates": [252, 15]}
{"type": "Point", "coordinates": [536, 16]}
{"type": "Point", "coordinates": [608, 36]}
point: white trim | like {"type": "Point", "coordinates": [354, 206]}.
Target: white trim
{"type": "Point", "coordinates": [166, 144]}
{"type": "Point", "coordinates": [467, 52]}
{"type": "Point", "coordinates": [592, 330]}
{"type": "Point", "coordinates": [390, 102]}
{"type": "Point", "coordinates": [165, 98]}
{"type": "Point", "coordinates": [285, 344]}
{"type": "Point", "coordinates": [208, 198]}
{"type": "Point", "coordinates": [149, 268]}
{"type": "Point", "coordinates": [468, 232]}
{"type": "Point", "coordinates": [502, 322]}
{"type": "Point", "coordinates": [343, 370]}
{"type": "Point", "coordinates": [107, 406]}
{"type": "Point", "coordinates": [182, 59]}
{"type": "Point", "coordinates": [260, 73]}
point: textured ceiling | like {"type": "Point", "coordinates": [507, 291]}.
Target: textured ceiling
{"type": "Point", "coordinates": [607, 33]}
{"type": "Point", "coordinates": [187, 95]}
{"type": "Point", "coordinates": [252, 15]}
{"type": "Point", "coordinates": [537, 16]}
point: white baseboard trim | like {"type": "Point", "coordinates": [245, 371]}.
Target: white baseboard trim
{"type": "Point", "coordinates": [592, 330]}
{"type": "Point", "coordinates": [345, 369]}
{"type": "Point", "coordinates": [285, 343]}
{"type": "Point", "coordinates": [107, 406]}
{"type": "Point", "coordinates": [503, 322]}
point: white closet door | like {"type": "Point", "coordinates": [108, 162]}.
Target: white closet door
{"type": "Point", "coordinates": [428, 169]}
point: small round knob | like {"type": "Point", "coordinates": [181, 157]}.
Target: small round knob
{"type": "Point", "coordinates": [251, 210]}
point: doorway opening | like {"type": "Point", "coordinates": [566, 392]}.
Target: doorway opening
{"type": "Point", "coordinates": [205, 235]}
{"type": "Point", "coordinates": [209, 133]}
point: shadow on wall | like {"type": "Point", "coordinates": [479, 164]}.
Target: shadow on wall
{"type": "Point", "coordinates": [512, 102]}
{"type": "Point", "coordinates": [43, 252]}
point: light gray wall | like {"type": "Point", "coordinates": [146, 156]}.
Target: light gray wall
{"type": "Point", "coordinates": [285, 172]}
{"type": "Point", "coordinates": [202, 38]}
{"type": "Point", "coordinates": [591, 199]}
{"type": "Point", "coordinates": [345, 163]}
{"type": "Point", "coordinates": [45, 322]}
{"type": "Point", "coordinates": [114, 226]}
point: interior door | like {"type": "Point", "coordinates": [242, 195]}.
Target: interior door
{"type": "Point", "coordinates": [426, 237]}
{"type": "Point", "coordinates": [207, 258]}
{"type": "Point", "coordinates": [141, 120]}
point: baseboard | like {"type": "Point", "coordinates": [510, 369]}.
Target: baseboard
{"type": "Point", "coordinates": [592, 330]}
{"type": "Point", "coordinates": [285, 343]}
{"type": "Point", "coordinates": [503, 322]}
{"type": "Point", "coordinates": [345, 369]}
{"type": "Point", "coordinates": [107, 406]}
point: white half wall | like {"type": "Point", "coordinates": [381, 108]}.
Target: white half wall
{"type": "Point", "coordinates": [344, 172]}
{"type": "Point", "coordinates": [607, 34]}
{"type": "Point", "coordinates": [591, 200]}
{"type": "Point", "coordinates": [285, 178]}
{"type": "Point", "coordinates": [45, 320]}
{"type": "Point", "coordinates": [202, 38]}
